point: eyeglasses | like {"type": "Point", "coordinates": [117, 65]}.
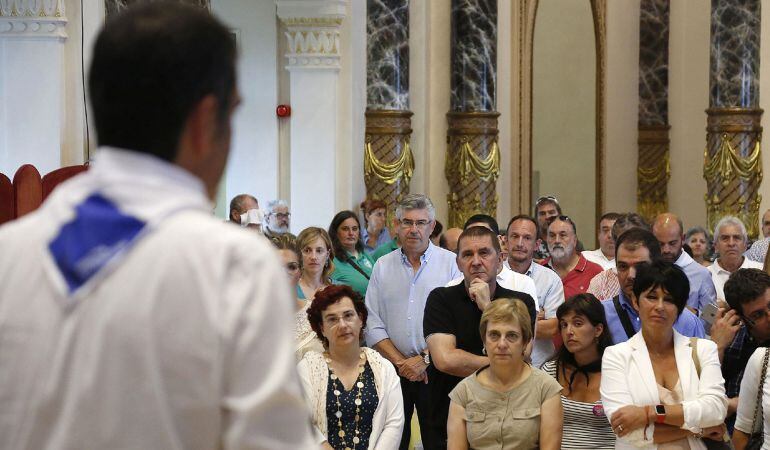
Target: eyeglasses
{"type": "Point", "coordinates": [406, 223]}
{"type": "Point", "coordinates": [282, 215]}
{"type": "Point", "coordinates": [563, 219]}
{"type": "Point", "coordinates": [757, 316]}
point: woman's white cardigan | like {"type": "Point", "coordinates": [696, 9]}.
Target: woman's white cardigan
{"type": "Point", "coordinates": [628, 379]}
{"type": "Point", "coordinates": [388, 420]}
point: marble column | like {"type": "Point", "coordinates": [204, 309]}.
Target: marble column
{"type": "Point", "coordinates": [388, 161]}
{"type": "Point", "coordinates": [732, 159]}
{"type": "Point", "coordinates": [32, 45]}
{"type": "Point", "coordinates": [653, 170]}
{"type": "Point", "coordinates": [473, 156]}
{"type": "Point", "coordinates": [312, 30]}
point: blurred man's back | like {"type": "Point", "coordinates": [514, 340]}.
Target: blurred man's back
{"type": "Point", "coordinates": [129, 316]}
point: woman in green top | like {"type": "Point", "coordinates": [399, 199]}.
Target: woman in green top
{"type": "Point", "coordinates": [352, 265]}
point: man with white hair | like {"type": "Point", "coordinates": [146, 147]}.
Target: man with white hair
{"type": "Point", "coordinates": [730, 241]}
{"type": "Point", "coordinates": [277, 219]}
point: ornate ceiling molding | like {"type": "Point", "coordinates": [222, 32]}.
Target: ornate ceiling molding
{"type": "Point", "coordinates": [32, 19]}
{"type": "Point", "coordinates": [312, 32]}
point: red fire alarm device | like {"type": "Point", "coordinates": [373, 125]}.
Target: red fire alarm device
{"type": "Point", "coordinates": [283, 111]}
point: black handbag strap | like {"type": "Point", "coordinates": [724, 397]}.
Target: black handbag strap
{"type": "Point", "coordinates": [758, 405]}
{"type": "Point", "coordinates": [355, 266]}
{"type": "Point", "coordinates": [623, 316]}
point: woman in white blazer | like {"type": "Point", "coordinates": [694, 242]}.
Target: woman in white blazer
{"type": "Point", "coordinates": [650, 387]}
{"type": "Point", "coordinates": [354, 394]}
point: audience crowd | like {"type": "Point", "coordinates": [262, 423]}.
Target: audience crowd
{"type": "Point", "coordinates": [132, 318]}
{"type": "Point", "coordinates": [520, 338]}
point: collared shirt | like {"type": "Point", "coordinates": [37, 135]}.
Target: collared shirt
{"type": "Point", "coordinates": [597, 257]}
{"type": "Point", "coordinates": [345, 273]}
{"type": "Point", "coordinates": [162, 347]}
{"type": "Point", "coordinates": [383, 238]}
{"type": "Point", "coordinates": [720, 276]}
{"type": "Point", "coordinates": [758, 250]}
{"type": "Point", "coordinates": [734, 362]}
{"type": "Point", "coordinates": [509, 279]}
{"type": "Point", "coordinates": [541, 252]}
{"type": "Point", "coordinates": [687, 324]}
{"type": "Point", "coordinates": [384, 249]}
{"type": "Point", "coordinates": [579, 278]}
{"type": "Point", "coordinates": [396, 296]}
{"type": "Point", "coordinates": [702, 291]}
{"type": "Point", "coordinates": [550, 295]}
{"type": "Point", "coordinates": [605, 284]}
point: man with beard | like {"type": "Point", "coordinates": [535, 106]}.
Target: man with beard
{"type": "Point", "coordinates": [277, 219]}
{"type": "Point", "coordinates": [668, 229]}
{"type": "Point", "coordinates": [633, 247]}
{"type": "Point", "coordinates": [574, 270]}
{"type": "Point", "coordinates": [730, 241]}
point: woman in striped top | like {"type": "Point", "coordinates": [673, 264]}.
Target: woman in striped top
{"type": "Point", "coordinates": [577, 367]}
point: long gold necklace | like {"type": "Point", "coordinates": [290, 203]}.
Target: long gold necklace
{"type": "Point", "coordinates": [338, 388]}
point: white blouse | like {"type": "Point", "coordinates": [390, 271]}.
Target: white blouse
{"type": "Point", "coordinates": [748, 397]}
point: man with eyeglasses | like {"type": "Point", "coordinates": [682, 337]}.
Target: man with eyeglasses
{"type": "Point", "coordinates": [546, 207]}
{"type": "Point", "coordinates": [398, 289]}
{"type": "Point", "coordinates": [573, 268]}
{"type": "Point", "coordinates": [278, 217]}
{"type": "Point", "coordinates": [742, 328]}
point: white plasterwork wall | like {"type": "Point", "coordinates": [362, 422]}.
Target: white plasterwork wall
{"type": "Point", "coordinates": [253, 164]}
{"type": "Point", "coordinates": [688, 98]}
{"type": "Point", "coordinates": [429, 87]}
{"type": "Point", "coordinates": [622, 97]}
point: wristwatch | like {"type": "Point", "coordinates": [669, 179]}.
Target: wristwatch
{"type": "Point", "coordinates": [425, 357]}
{"type": "Point", "coordinates": [660, 413]}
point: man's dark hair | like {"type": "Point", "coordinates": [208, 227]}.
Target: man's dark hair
{"type": "Point", "coordinates": [236, 204]}
{"type": "Point", "coordinates": [639, 237]}
{"type": "Point", "coordinates": [479, 231]}
{"type": "Point", "coordinates": [610, 216]}
{"type": "Point", "coordinates": [664, 275]}
{"type": "Point", "coordinates": [152, 64]}
{"type": "Point", "coordinates": [625, 222]}
{"type": "Point", "coordinates": [437, 229]}
{"type": "Point", "coordinates": [522, 217]}
{"type": "Point", "coordinates": [336, 244]}
{"type": "Point", "coordinates": [483, 218]}
{"type": "Point", "coordinates": [745, 286]}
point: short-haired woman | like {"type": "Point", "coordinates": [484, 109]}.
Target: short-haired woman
{"type": "Point", "coordinates": [352, 265]}
{"type": "Point", "coordinates": [354, 394]}
{"type": "Point", "coordinates": [578, 368]}
{"type": "Point", "coordinates": [662, 390]}
{"type": "Point", "coordinates": [315, 245]}
{"type": "Point", "coordinates": [507, 404]}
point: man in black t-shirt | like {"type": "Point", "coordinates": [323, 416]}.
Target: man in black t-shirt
{"type": "Point", "coordinates": [451, 322]}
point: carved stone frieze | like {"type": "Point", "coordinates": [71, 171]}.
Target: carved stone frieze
{"type": "Point", "coordinates": [37, 19]}
{"type": "Point", "coordinates": [312, 33]}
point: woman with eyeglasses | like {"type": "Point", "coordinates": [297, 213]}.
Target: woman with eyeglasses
{"type": "Point", "coordinates": [662, 390]}
{"type": "Point", "coordinates": [577, 367]}
{"type": "Point", "coordinates": [354, 394]}
{"type": "Point", "coordinates": [507, 404]}
{"type": "Point", "coordinates": [375, 232]}
{"type": "Point", "coordinates": [304, 337]}
{"type": "Point", "coordinates": [317, 266]}
{"type": "Point", "coordinates": [352, 265]}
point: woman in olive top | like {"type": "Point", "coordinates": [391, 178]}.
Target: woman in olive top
{"type": "Point", "coordinates": [352, 265]}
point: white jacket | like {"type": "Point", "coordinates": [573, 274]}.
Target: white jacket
{"type": "Point", "coordinates": [628, 379]}
{"type": "Point", "coordinates": [388, 420]}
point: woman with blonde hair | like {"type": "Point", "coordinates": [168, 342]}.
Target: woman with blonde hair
{"type": "Point", "coordinates": [507, 404]}
{"type": "Point", "coordinates": [317, 253]}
